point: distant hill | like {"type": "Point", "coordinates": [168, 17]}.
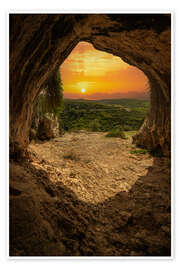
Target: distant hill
{"type": "Point", "coordinates": [128, 103]}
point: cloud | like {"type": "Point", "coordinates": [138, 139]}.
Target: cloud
{"type": "Point", "coordinates": [100, 73]}
{"type": "Point", "coordinates": [92, 62]}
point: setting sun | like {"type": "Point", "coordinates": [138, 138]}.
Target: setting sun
{"type": "Point", "coordinates": [83, 90]}
{"type": "Point", "coordinates": [97, 75]}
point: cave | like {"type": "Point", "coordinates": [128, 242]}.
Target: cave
{"type": "Point", "coordinates": [39, 43]}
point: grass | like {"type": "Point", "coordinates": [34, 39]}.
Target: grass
{"type": "Point", "coordinates": [153, 153]}
{"type": "Point", "coordinates": [116, 133]}
{"type": "Point", "coordinates": [130, 133]}
{"type": "Point", "coordinates": [139, 151]}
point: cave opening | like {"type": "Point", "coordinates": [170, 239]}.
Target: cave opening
{"type": "Point", "coordinates": [144, 47]}
{"type": "Point", "coordinates": [105, 102]}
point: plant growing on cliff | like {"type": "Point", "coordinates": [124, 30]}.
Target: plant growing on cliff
{"type": "Point", "coordinates": [51, 97]}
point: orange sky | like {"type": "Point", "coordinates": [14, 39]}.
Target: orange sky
{"type": "Point", "coordinates": [101, 75]}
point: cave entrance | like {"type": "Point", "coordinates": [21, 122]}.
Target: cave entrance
{"type": "Point", "coordinates": [105, 103]}
{"type": "Point", "coordinates": [141, 40]}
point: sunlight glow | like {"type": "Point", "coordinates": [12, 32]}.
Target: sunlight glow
{"type": "Point", "coordinates": [98, 75]}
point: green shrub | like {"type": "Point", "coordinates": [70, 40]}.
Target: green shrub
{"type": "Point", "coordinates": [94, 125]}
{"type": "Point", "coordinates": [96, 116]}
{"type": "Point", "coordinates": [127, 128]}
{"type": "Point", "coordinates": [139, 151]}
{"type": "Point", "coordinates": [116, 133]}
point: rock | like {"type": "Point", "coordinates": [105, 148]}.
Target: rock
{"type": "Point", "coordinates": [48, 128]}
{"type": "Point", "coordinates": [134, 253]}
{"type": "Point", "coordinates": [125, 216]}
{"type": "Point", "coordinates": [33, 134]}
{"type": "Point", "coordinates": [142, 234]}
{"type": "Point", "coordinates": [162, 218]}
{"type": "Point", "coordinates": [166, 229]}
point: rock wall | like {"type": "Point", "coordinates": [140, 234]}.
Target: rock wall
{"type": "Point", "coordinates": [39, 43]}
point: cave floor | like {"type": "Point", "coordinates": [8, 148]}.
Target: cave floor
{"type": "Point", "coordinates": [93, 166]}
{"type": "Point", "coordinates": [90, 196]}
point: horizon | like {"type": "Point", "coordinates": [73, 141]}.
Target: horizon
{"type": "Point", "coordinates": [106, 99]}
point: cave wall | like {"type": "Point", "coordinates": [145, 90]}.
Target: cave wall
{"type": "Point", "coordinates": [39, 43]}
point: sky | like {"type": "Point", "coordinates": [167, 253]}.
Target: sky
{"type": "Point", "coordinates": [88, 73]}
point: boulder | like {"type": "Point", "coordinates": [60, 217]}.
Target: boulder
{"type": "Point", "coordinates": [48, 128]}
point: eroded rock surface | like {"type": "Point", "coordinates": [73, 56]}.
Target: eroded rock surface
{"type": "Point", "coordinates": [39, 43]}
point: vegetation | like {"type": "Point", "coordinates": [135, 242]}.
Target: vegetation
{"type": "Point", "coordinates": [94, 125]}
{"type": "Point", "coordinates": [126, 102]}
{"type": "Point", "coordinates": [107, 116]}
{"type": "Point", "coordinates": [139, 151]}
{"type": "Point", "coordinates": [51, 97]}
{"type": "Point", "coordinates": [152, 152]}
{"type": "Point", "coordinates": [130, 133]}
{"type": "Point", "coordinates": [116, 133]}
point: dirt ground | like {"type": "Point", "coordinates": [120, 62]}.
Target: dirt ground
{"type": "Point", "coordinates": [94, 167]}
{"type": "Point", "coordinates": [83, 194]}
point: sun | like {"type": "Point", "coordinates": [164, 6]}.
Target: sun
{"type": "Point", "coordinates": [83, 90]}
